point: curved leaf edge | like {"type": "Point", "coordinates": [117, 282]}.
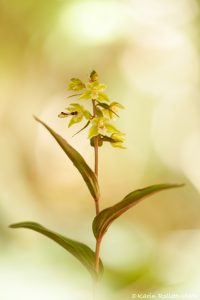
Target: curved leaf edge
{"type": "Point", "coordinates": [77, 159]}
{"type": "Point", "coordinates": [104, 219]}
{"type": "Point", "coordinates": [82, 252]}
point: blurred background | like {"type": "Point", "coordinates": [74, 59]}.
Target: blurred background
{"type": "Point", "coordinates": [147, 52]}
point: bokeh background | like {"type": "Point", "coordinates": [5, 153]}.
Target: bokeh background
{"type": "Point", "coordinates": [147, 52]}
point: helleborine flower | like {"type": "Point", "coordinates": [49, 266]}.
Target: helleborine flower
{"type": "Point", "coordinates": [118, 139]}
{"type": "Point", "coordinates": [110, 110]}
{"type": "Point", "coordinates": [101, 126]}
{"type": "Point", "coordinates": [94, 92]}
{"type": "Point", "coordinates": [98, 121]}
{"type": "Point", "coordinates": [77, 112]}
{"type": "Point", "coordinates": [76, 85]}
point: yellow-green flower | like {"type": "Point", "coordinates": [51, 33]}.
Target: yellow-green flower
{"type": "Point", "coordinates": [118, 139]}
{"type": "Point", "coordinates": [77, 113]}
{"type": "Point", "coordinates": [98, 120]}
{"type": "Point", "coordinates": [101, 126]}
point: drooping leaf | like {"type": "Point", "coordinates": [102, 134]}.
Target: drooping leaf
{"type": "Point", "coordinates": [79, 250]}
{"type": "Point", "coordinates": [104, 219]}
{"type": "Point", "coordinates": [78, 161]}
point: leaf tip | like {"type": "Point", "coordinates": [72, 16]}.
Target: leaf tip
{"type": "Point", "coordinates": [15, 225]}
{"type": "Point", "coordinates": [179, 185]}
{"type": "Point", "coordinates": [36, 118]}
{"type": "Point", "coordinates": [12, 226]}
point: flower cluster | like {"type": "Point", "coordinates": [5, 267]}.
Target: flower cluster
{"type": "Point", "coordinates": [99, 120]}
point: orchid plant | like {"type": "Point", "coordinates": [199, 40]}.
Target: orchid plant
{"type": "Point", "coordinates": [99, 122]}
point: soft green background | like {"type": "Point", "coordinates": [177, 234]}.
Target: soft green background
{"type": "Point", "coordinates": [147, 52]}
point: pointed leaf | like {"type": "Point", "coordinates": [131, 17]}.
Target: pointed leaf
{"type": "Point", "coordinates": [82, 252]}
{"type": "Point", "coordinates": [104, 219]}
{"type": "Point", "coordinates": [78, 161]}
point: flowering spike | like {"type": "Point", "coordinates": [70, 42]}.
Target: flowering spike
{"type": "Point", "coordinates": [98, 121]}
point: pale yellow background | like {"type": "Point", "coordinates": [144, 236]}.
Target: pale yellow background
{"type": "Point", "coordinates": [147, 52]}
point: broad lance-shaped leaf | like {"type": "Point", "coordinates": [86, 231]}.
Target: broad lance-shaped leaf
{"type": "Point", "coordinates": [82, 252]}
{"type": "Point", "coordinates": [103, 220]}
{"type": "Point", "coordinates": [78, 161]}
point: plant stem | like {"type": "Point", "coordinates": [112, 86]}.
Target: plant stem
{"type": "Point", "coordinates": [97, 252]}
{"type": "Point", "coordinates": [97, 259]}
{"type": "Point", "coordinates": [96, 158]}
{"type": "Point", "coordinates": [96, 165]}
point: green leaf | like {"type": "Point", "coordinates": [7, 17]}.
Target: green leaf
{"type": "Point", "coordinates": [78, 161]}
{"type": "Point", "coordinates": [104, 219]}
{"type": "Point", "coordinates": [79, 250]}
